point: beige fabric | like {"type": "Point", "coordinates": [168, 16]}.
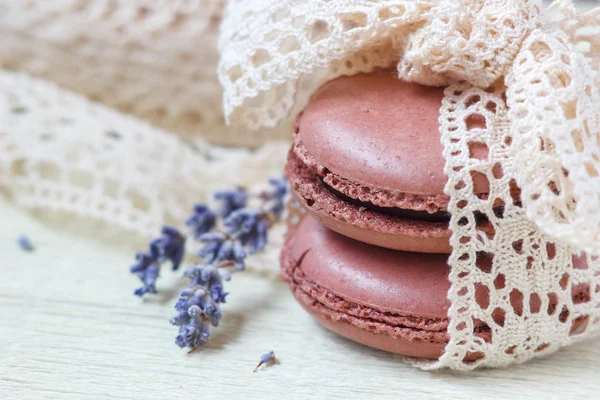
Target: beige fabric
{"type": "Point", "coordinates": [517, 86]}
{"type": "Point", "coordinates": [154, 59]}
{"type": "Point", "coordinates": [60, 152]}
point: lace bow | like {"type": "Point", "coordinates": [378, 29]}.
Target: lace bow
{"type": "Point", "coordinates": [529, 74]}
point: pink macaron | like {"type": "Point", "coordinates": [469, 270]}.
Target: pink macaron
{"type": "Point", "coordinates": [367, 162]}
{"type": "Point", "coordinates": [394, 301]}
{"type": "Point", "coordinates": [390, 300]}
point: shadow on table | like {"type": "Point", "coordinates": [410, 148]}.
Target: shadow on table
{"type": "Point", "coordinates": [575, 365]}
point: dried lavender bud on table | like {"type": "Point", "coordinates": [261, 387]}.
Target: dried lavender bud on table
{"type": "Point", "coordinates": [25, 243]}
{"type": "Point", "coordinates": [266, 359]}
{"type": "Point", "coordinates": [170, 246]}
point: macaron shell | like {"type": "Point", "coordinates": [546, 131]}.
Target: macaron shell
{"type": "Point", "coordinates": [410, 284]}
{"type": "Point", "coordinates": [356, 290]}
{"type": "Point", "coordinates": [362, 224]}
{"type": "Point", "coordinates": [406, 342]}
{"type": "Point", "coordinates": [377, 130]}
{"type": "Point", "coordinates": [389, 300]}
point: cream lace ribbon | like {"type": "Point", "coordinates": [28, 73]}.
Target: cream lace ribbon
{"type": "Point", "coordinates": [60, 152]}
{"type": "Point", "coordinates": [532, 76]}
{"type": "Point", "coordinates": [155, 59]}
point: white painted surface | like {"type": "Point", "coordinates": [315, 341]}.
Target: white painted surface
{"type": "Point", "coordinates": [71, 329]}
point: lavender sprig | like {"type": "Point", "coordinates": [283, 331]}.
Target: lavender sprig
{"type": "Point", "coordinates": [221, 248]}
{"type": "Point", "coordinates": [266, 359]}
{"type": "Point", "coordinates": [198, 305]}
{"type": "Point", "coordinates": [231, 200]}
{"type": "Point", "coordinates": [227, 237]}
{"type": "Point", "coordinates": [170, 246]}
{"type": "Point", "coordinates": [201, 221]}
{"type": "Point", "coordinates": [275, 197]}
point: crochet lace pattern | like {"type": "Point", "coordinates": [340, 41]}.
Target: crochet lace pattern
{"type": "Point", "coordinates": [520, 82]}
{"type": "Point", "coordinates": [61, 152]}
{"type": "Point", "coordinates": [154, 59]}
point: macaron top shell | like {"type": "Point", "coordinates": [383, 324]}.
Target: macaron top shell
{"type": "Point", "coordinates": [378, 131]}
{"type": "Point", "coordinates": [405, 283]}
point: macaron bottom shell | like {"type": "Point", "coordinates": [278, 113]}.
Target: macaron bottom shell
{"type": "Point", "coordinates": [391, 300]}
{"type": "Point", "coordinates": [394, 339]}
{"type": "Point", "coordinates": [378, 297]}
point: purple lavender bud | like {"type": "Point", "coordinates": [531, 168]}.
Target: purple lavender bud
{"type": "Point", "coordinates": [203, 334]}
{"type": "Point", "coordinates": [202, 221]}
{"type": "Point", "coordinates": [187, 292]}
{"type": "Point", "coordinates": [225, 275]}
{"type": "Point", "coordinates": [171, 245]}
{"type": "Point", "coordinates": [208, 272]}
{"type": "Point", "coordinates": [265, 358]}
{"type": "Point", "coordinates": [147, 270]}
{"type": "Point", "coordinates": [154, 249]}
{"type": "Point", "coordinates": [148, 277]}
{"type": "Point", "coordinates": [188, 334]}
{"type": "Point", "coordinates": [24, 243]}
{"type": "Point", "coordinates": [180, 341]}
{"type": "Point", "coordinates": [231, 200]}
{"type": "Point", "coordinates": [225, 251]}
{"type": "Point", "coordinates": [241, 221]}
{"type": "Point", "coordinates": [217, 293]}
{"type": "Point", "coordinates": [189, 273]}
{"type": "Point", "coordinates": [182, 305]}
{"type": "Point", "coordinates": [275, 203]}
{"type": "Point", "coordinates": [180, 318]}
{"type": "Point", "coordinates": [258, 240]}
{"type": "Point", "coordinates": [214, 313]}
{"type": "Point", "coordinates": [143, 261]}
{"type": "Point", "coordinates": [212, 244]}
{"type": "Point", "coordinates": [279, 185]}
{"type": "Point", "coordinates": [193, 330]}
{"type": "Point", "coordinates": [195, 311]}
{"type": "Point", "coordinates": [250, 226]}
{"type": "Point", "coordinates": [195, 274]}
{"type": "Point", "coordinates": [239, 256]}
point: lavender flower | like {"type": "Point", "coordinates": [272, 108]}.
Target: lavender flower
{"type": "Point", "coordinates": [169, 246]}
{"type": "Point", "coordinates": [223, 251]}
{"type": "Point", "coordinates": [231, 200]}
{"type": "Point", "coordinates": [275, 197]}
{"type": "Point", "coordinates": [206, 276]}
{"type": "Point", "coordinates": [220, 248]}
{"type": "Point", "coordinates": [198, 305]}
{"type": "Point", "coordinates": [147, 268]}
{"type": "Point", "coordinates": [250, 226]}
{"type": "Point", "coordinates": [195, 331]}
{"type": "Point", "coordinates": [202, 221]}
{"type": "Point", "coordinates": [266, 358]}
{"type": "Point", "coordinates": [25, 243]}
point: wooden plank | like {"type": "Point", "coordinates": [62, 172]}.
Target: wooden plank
{"type": "Point", "coordinates": [72, 330]}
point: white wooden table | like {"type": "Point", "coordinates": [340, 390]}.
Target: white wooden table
{"type": "Point", "coordinates": [71, 329]}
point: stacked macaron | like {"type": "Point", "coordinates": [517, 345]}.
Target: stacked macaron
{"type": "Point", "coordinates": [367, 162]}
{"type": "Point", "coordinates": [370, 263]}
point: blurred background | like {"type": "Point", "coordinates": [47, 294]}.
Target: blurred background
{"type": "Point", "coordinates": [74, 72]}
{"type": "Point", "coordinates": [153, 59]}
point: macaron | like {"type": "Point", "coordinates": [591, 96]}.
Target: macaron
{"type": "Point", "coordinates": [367, 162]}
{"type": "Point", "coordinates": [394, 301]}
{"type": "Point", "coordinates": [390, 300]}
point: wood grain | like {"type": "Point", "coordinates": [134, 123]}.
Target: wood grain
{"type": "Point", "coordinates": [71, 329]}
